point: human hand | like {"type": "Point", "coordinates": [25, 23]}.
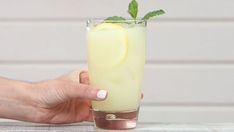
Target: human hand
{"type": "Point", "coordinates": [62, 100]}
{"type": "Point", "coordinates": [65, 100]}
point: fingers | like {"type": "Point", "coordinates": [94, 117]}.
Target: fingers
{"type": "Point", "coordinates": [90, 116]}
{"type": "Point", "coordinates": [85, 92]}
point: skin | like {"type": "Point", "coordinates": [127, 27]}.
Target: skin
{"type": "Point", "coordinates": [66, 99]}
{"type": "Point", "coordinates": [61, 100]}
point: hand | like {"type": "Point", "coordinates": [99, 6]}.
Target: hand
{"type": "Point", "coordinates": [65, 100]}
{"type": "Point", "coordinates": [62, 100]}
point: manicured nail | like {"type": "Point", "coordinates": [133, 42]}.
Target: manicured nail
{"type": "Point", "coordinates": [101, 94]}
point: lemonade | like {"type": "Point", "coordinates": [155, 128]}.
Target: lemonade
{"type": "Point", "coordinates": [116, 56]}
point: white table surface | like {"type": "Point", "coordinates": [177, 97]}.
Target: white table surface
{"type": "Point", "coordinates": [83, 127]}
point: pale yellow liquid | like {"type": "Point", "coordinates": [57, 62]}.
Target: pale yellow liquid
{"type": "Point", "coordinates": [119, 72]}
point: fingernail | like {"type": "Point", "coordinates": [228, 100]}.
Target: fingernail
{"type": "Point", "coordinates": [101, 94]}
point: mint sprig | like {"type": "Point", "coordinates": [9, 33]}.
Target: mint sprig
{"type": "Point", "coordinates": [133, 11]}
{"type": "Point", "coordinates": [153, 14]}
{"type": "Point", "coordinates": [115, 18]}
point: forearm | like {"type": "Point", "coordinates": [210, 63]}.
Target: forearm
{"type": "Point", "coordinates": [15, 100]}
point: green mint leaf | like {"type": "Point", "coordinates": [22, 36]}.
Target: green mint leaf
{"type": "Point", "coordinates": [115, 18]}
{"type": "Point", "coordinates": [133, 9]}
{"type": "Point", "coordinates": [153, 14]}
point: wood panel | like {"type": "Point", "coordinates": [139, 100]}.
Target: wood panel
{"type": "Point", "coordinates": [73, 9]}
{"type": "Point", "coordinates": [65, 41]}
{"type": "Point", "coordinates": [42, 41]}
{"type": "Point", "coordinates": [181, 114]}
{"type": "Point", "coordinates": [163, 85]}
{"type": "Point", "coordinates": [190, 51]}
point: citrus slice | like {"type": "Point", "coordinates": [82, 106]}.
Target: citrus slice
{"type": "Point", "coordinates": [107, 45]}
{"type": "Point", "coordinates": [107, 26]}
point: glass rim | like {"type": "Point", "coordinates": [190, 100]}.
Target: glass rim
{"type": "Point", "coordinates": [99, 20]}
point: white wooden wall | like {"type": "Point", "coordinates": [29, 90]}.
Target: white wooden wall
{"type": "Point", "coordinates": [189, 75]}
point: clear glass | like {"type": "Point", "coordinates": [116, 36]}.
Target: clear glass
{"type": "Point", "coordinates": [116, 58]}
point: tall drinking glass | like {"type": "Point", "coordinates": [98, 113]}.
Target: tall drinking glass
{"type": "Point", "coordinates": [116, 57]}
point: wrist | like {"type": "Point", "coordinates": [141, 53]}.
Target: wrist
{"type": "Point", "coordinates": [16, 100]}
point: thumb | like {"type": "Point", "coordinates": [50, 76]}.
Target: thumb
{"type": "Point", "coordinates": [78, 75]}
{"type": "Point", "coordinates": [76, 90]}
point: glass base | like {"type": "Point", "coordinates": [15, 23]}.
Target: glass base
{"type": "Point", "coordinates": [115, 120]}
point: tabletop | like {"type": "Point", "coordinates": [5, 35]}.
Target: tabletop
{"type": "Point", "coordinates": [89, 127]}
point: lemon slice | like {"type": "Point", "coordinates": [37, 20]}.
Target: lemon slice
{"type": "Point", "coordinates": [107, 26]}
{"type": "Point", "coordinates": [107, 45]}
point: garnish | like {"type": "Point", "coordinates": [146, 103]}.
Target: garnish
{"type": "Point", "coordinates": [133, 11]}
